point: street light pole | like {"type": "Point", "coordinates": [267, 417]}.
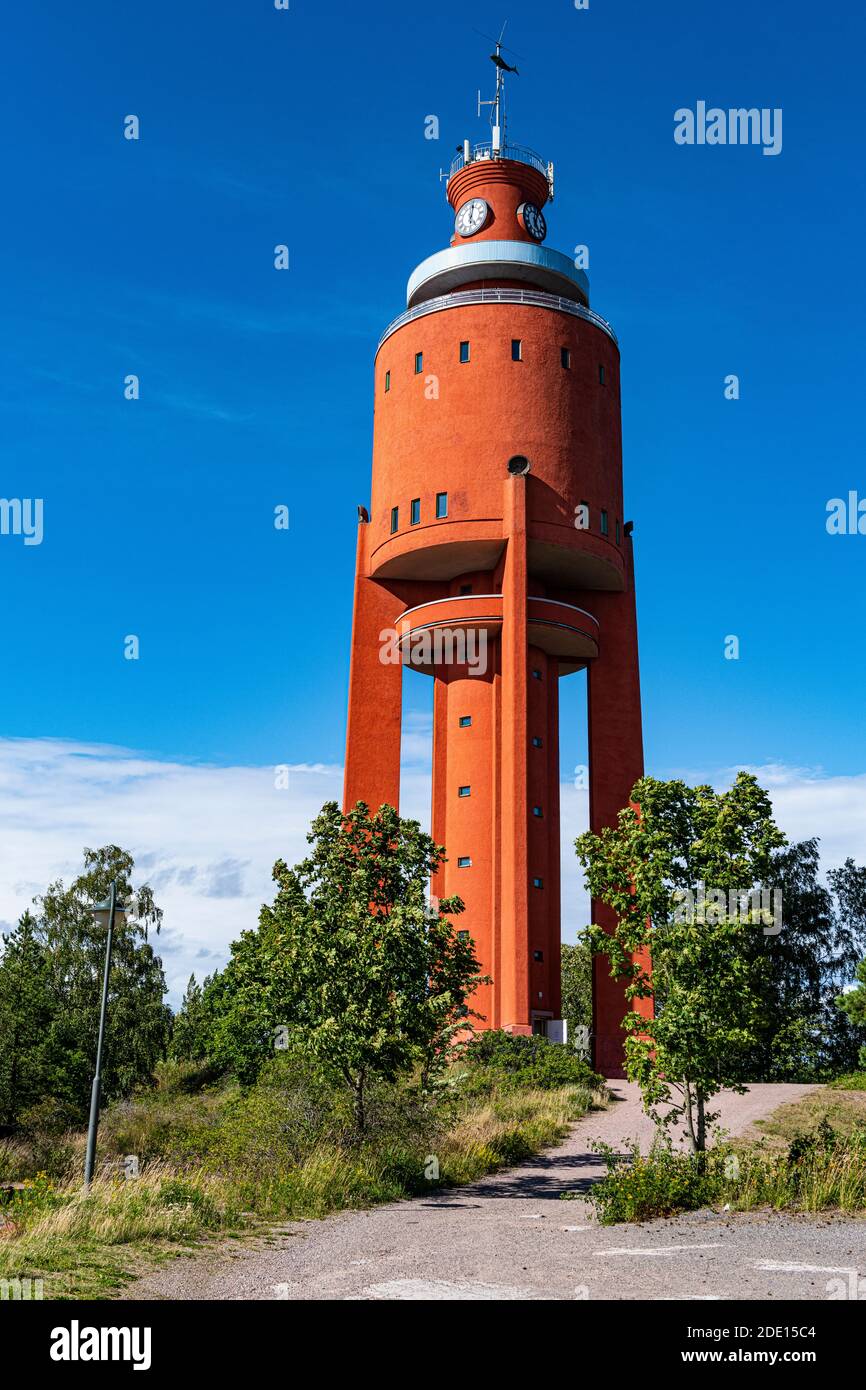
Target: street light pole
{"type": "Point", "coordinates": [107, 909]}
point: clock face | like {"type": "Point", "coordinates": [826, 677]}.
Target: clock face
{"type": "Point", "coordinates": [532, 219]}
{"type": "Point", "coordinates": [471, 217]}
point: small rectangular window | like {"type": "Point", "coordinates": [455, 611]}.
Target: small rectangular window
{"type": "Point", "coordinates": [387, 381]}
{"type": "Point", "coordinates": [536, 674]}
{"type": "Point", "coordinates": [441, 505]}
{"type": "Point", "coordinates": [537, 743]}
{"type": "Point", "coordinates": [604, 526]}
{"type": "Point", "coordinates": [464, 862]}
{"type": "Point", "coordinates": [601, 373]}
{"type": "Point", "coordinates": [464, 352]}
{"type": "Point", "coordinates": [565, 357]}
{"type": "Point", "coordinates": [419, 362]}
{"type": "Point", "coordinates": [415, 511]}
{"type": "Point", "coordinates": [538, 955]}
{"type": "Point", "coordinates": [464, 791]}
{"type": "Point", "coordinates": [538, 883]}
{"type": "Point", "coordinates": [395, 519]}
{"type": "Point", "coordinates": [516, 350]}
{"type": "Point", "coordinates": [466, 588]}
{"type": "Point", "coordinates": [466, 721]}
{"type": "Point", "coordinates": [537, 812]}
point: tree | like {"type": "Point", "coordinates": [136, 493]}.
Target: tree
{"type": "Point", "coordinates": [673, 869]}
{"type": "Point", "coordinates": [26, 1012]}
{"type": "Point", "coordinates": [350, 965]}
{"type": "Point", "coordinates": [190, 1031]}
{"type": "Point", "coordinates": [137, 1021]}
{"type": "Point", "coordinates": [802, 1035]}
{"type": "Point", "coordinates": [853, 1004]}
{"type": "Point", "coordinates": [576, 977]}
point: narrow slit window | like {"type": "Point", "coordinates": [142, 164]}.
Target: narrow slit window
{"type": "Point", "coordinates": [538, 883]}
{"type": "Point", "coordinates": [565, 357]}
{"type": "Point", "coordinates": [441, 505]}
{"type": "Point", "coordinates": [415, 511]}
{"type": "Point", "coordinates": [537, 812]}
{"type": "Point", "coordinates": [464, 352]}
{"type": "Point", "coordinates": [517, 349]}
{"type": "Point", "coordinates": [601, 373]}
{"type": "Point", "coordinates": [604, 525]}
{"type": "Point", "coordinates": [617, 531]}
{"type": "Point", "coordinates": [419, 362]}
{"type": "Point", "coordinates": [387, 381]}
{"type": "Point", "coordinates": [395, 519]}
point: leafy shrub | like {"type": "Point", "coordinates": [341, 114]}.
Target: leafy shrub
{"type": "Point", "coordinates": [176, 1192]}
{"type": "Point", "coordinates": [853, 1081]}
{"type": "Point", "coordinates": [638, 1187]}
{"type": "Point", "coordinates": [513, 1061]}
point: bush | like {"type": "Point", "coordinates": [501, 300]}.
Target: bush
{"type": "Point", "coordinates": [853, 1081]}
{"type": "Point", "coordinates": [513, 1061]}
{"type": "Point", "coordinates": [638, 1187]}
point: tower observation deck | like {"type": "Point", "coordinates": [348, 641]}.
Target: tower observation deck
{"type": "Point", "coordinates": [496, 548]}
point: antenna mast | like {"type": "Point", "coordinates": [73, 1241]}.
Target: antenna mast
{"type": "Point", "coordinates": [497, 114]}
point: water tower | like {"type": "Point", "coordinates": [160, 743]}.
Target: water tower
{"type": "Point", "coordinates": [497, 513]}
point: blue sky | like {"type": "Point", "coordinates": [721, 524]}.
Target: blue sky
{"type": "Point", "coordinates": [261, 127]}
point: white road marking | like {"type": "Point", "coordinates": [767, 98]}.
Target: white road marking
{"type": "Point", "coordinates": [442, 1289]}
{"type": "Point", "coordinates": [574, 1228]}
{"type": "Point", "coordinates": [785, 1267]}
{"type": "Point", "coordinates": [530, 1216]}
{"type": "Point", "coordinates": [656, 1249]}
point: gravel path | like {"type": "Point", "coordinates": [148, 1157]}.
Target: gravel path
{"type": "Point", "coordinates": [509, 1236]}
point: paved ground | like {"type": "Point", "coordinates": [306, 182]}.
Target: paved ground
{"type": "Point", "coordinates": [510, 1237]}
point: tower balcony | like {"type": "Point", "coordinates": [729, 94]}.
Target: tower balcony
{"type": "Point", "coordinates": [540, 266]}
{"type": "Point", "coordinates": [485, 149]}
{"type": "Point", "coordinates": [458, 631]}
{"type": "Point", "coordinates": [498, 295]}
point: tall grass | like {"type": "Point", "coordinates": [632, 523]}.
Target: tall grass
{"type": "Point", "coordinates": [222, 1161]}
{"type": "Point", "coordinates": [820, 1171]}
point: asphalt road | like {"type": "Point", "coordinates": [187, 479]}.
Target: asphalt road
{"type": "Point", "coordinates": [510, 1237]}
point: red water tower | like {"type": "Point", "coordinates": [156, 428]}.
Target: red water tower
{"type": "Point", "coordinates": [496, 558]}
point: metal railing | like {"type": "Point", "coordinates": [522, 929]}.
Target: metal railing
{"type": "Point", "coordinates": [485, 150]}
{"type": "Point", "coordinates": [498, 296]}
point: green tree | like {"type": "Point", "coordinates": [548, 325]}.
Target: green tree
{"type": "Point", "coordinates": [576, 977]}
{"type": "Point", "coordinates": [191, 1025]}
{"type": "Point", "coordinates": [853, 1005]}
{"type": "Point", "coordinates": [705, 982]}
{"type": "Point", "coordinates": [802, 1035]}
{"type": "Point", "coordinates": [26, 1013]}
{"type": "Point", "coordinates": [350, 965]}
{"type": "Point", "coordinates": [138, 1021]}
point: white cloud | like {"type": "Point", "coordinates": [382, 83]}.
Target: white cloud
{"type": "Point", "coordinates": [206, 837]}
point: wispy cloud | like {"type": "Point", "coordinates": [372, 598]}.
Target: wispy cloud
{"type": "Point", "coordinates": [206, 836]}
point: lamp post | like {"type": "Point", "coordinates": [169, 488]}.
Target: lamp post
{"type": "Point", "coordinates": [105, 914]}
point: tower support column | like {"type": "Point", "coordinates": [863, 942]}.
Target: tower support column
{"type": "Point", "coordinates": [514, 963]}
{"type": "Point", "coordinates": [615, 764]}
{"type": "Point", "coordinates": [372, 772]}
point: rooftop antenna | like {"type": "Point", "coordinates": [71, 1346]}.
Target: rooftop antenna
{"type": "Point", "coordinates": [497, 114]}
